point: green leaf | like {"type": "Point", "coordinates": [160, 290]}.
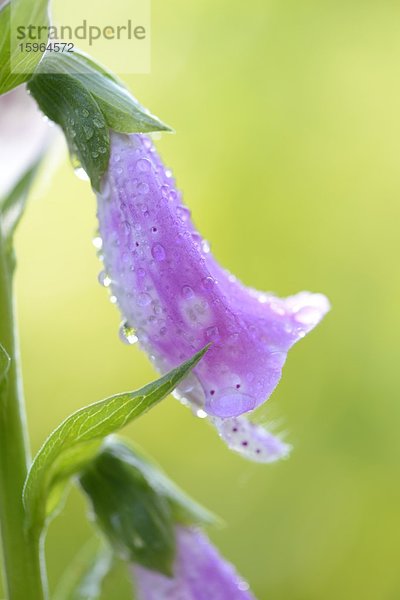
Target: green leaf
{"type": "Point", "coordinates": [66, 101]}
{"type": "Point", "coordinates": [83, 580]}
{"type": "Point", "coordinates": [121, 110]}
{"type": "Point", "coordinates": [13, 205]}
{"type": "Point", "coordinates": [5, 361]}
{"type": "Point", "coordinates": [136, 520]}
{"type": "Point", "coordinates": [16, 65]}
{"type": "Point", "coordinates": [74, 441]}
{"type": "Point", "coordinates": [86, 100]}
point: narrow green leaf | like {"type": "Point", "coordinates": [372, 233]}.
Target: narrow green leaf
{"type": "Point", "coordinates": [16, 64]}
{"type": "Point", "coordinates": [66, 101]}
{"type": "Point", "coordinates": [5, 361]}
{"type": "Point", "coordinates": [13, 205]}
{"type": "Point", "coordinates": [136, 520]}
{"type": "Point", "coordinates": [83, 579]}
{"type": "Point", "coordinates": [61, 453]}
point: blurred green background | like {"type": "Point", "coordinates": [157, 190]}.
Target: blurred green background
{"type": "Point", "coordinates": [287, 148]}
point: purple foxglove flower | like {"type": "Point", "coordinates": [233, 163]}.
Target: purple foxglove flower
{"type": "Point", "coordinates": [199, 573]}
{"type": "Point", "coordinates": [23, 136]}
{"type": "Point", "coordinates": [175, 298]}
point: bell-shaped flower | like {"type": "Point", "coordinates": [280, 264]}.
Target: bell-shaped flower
{"type": "Point", "coordinates": [175, 298]}
{"type": "Point", "coordinates": [199, 573]}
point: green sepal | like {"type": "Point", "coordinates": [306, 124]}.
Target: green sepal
{"type": "Point", "coordinates": [12, 58]}
{"type": "Point", "coordinates": [136, 520]}
{"type": "Point", "coordinates": [184, 510]}
{"type": "Point", "coordinates": [137, 506]}
{"type": "Point", "coordinates": [86, 100]}
{"type": "Point", "coordinates": [67, 102]}
{"type": "Point", "coordinates": [76, 440]}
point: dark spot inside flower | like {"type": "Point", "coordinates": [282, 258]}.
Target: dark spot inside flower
{"type": "Point", "coordinates": [258, 450]}
{"type": "Point", "coordinates": [154, 229]}
{"type": "Point", "coordinates": [245, 443]}
{"type": "Point", "coordinates": [212, 392]}
{"type": "Point", "coordinates": [137, 244]}
{"type": "Point", "coordinates": [238, 386]}
{"type": "Point", "coordinates": [234, 429]}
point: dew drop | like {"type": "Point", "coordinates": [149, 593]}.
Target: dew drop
{"type": "Point", "coordinates": [113, 299]}
{"type": "Point", "coordinates": [143, 299]}
{"type": "Point", "coordinates": [172, 196]}
{"type": "Point", "coordinates": [205, 246]}
{"type": "Point", "coordinates": [143, 188]}
{"type": "Point", "coordinates": [97, 242]}
{"type": "Point", "coordinates": [127, 334]}
{"type": "Point", "coordinates": [201, 414]}
{"type": "Point", "coordinates": [208, 282]}
{"type": "Point", "coordinates": [81, 174]}
{"type": "Point", "coordinates": [164, 191]}
{"type": "Point", "coordinates": [88, 131]}
{"type": "Point", "coordinates": [187, 292]}
{"type": "Point", "coordinates": [183, 213]}
{"type": "Point", "coordinates": [158, 252]}
{"type": "Point", "coordinates": [212, 333]}
{"type": "Point", "coordinates": [104, 279]}
{"type": "Point", "coordinates": [144, 165]}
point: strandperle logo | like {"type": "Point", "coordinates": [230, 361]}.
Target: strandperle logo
{"type": "Point", "coordinates": [84, 31]}
{"type": "Point", "coordinates": [118, 38]}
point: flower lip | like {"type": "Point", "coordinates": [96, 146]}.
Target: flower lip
{"type": "Point", "coordinates": [229, 403]}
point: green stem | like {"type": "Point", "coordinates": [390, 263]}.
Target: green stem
{"type": "Point", "coordinates": [24, 573]}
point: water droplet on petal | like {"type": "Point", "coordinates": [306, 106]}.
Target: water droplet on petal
{"type": "Point", "coordinates": [104, 279]}
{"type": "Point", "coordinates": [143, 299]}
{"type": "Point", "coordinates": [201, 414]}
{"type": "Point", "coordinates": [212, 333]}
{"type": "Point", "coordinates": [127, 334]}
{"type": "Point", "coordinates": [144, 165]}
{"type": "Point", "coordinates": [172, 196]}
{"type": "Point", "coordinates": [183, 213]}
{"type": "Point", "coordinates": [143, 188]}
{"type": "Point", "coordinates": [187, 291]}
{"type": "Point", "coordinates": [97, 243]}
{"type": "Point", "coordinates": [164, 191]}
{"type": "Point", "coordinates": [208, 282]}
{"type": "Point", "coordinates": [158, 252]}
{"type": "Point", "coordinates": [205, 246]}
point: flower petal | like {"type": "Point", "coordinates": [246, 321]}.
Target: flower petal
{"type": "Point", "coordinates": [172, 291]}
{"type": "Point", "coordinates": [200, 573]}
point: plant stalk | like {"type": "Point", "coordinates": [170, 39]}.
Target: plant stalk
{"type": "Point", "coordinates": [23, 568]}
